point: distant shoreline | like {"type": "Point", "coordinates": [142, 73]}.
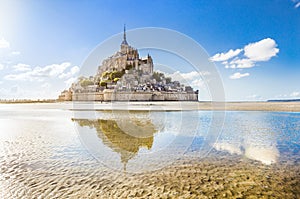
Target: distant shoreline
{"type": "Point", "coordinates": [24, 101]}
{"type": "Point", "coordinates": [252, 106]}
{"type": "Point", "coordinates": [291, 106]}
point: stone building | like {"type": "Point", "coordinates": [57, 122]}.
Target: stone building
{"type": "Point", "coordinates": [127, 57]}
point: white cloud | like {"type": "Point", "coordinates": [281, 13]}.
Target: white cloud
{"type": "Point", "coordinates": [39, 73]}
{"type": "Point", "coordinates": [184, 77]}
{"type": "Point", "coordinates": [240, 63]}
{"type": "Point", "coordinates": [1, 67]}
{"type": "Point", "coordinates": [297, 5]}
{"type": "Point", "coordinates": [70, 81]}
{"type": "Point", "coordinates": [74, 70]}
{"type": "Point", "coordinates": [226, 56]}
{"type": "Point", "coordinates": [295, 94]}
{"type": "Point", "coordinates": [193, 79]}
{"type": "Point", "coordinates": [260, 51]}
{"type": "Point", "coordinates": [239, 75]}
{"type": "Point", "coordinates": [4, 43]}
{"type": "Point", "coordinates": [177, 76]}
{"type": "Point", "coordinates": [21, 67]}
{"type": "Point", "coordinates": [197, 84]}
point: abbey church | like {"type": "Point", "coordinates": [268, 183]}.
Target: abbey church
{"type": "Point", "coordinates": [127, 56]}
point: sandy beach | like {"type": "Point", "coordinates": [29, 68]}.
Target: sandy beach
{"type": "Point", "coordinates": [251, 106]}
{"type": "Point", "coordinates": [41, 155]}
{"type": "Point", "coordinates": [174, 105]}
{"type": "Point", "coordinates": [178, 106]}
{"type": "Point", "coordinates": [206, 178]}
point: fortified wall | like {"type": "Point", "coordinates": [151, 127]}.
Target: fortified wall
{"type": "Point", "coordinates": [110, 95]}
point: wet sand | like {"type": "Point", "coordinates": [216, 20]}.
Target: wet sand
{"type": "Point", "coordinates": [206, 178]}
{"type": "Point", "coordinates": [173, 106]}
{"type": "Point", "coordinates": [178, 106]}
{"type": "Point", "coordinates": [42, 157]}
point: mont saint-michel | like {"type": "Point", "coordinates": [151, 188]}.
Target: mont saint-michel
{"type": "Point", "coordinates": [125, 76]}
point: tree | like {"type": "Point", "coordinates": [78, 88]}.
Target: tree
{"type": "Point", "coordinates": [168, 80]}
{"type": "Point", "coordinates": [158, 76]}
{"type": "Point", "coordinates": [116, 79]}
{"type": "Point", "coordinates": [86, 82]}
{"type": "Point", "coordinates": [103, 84]}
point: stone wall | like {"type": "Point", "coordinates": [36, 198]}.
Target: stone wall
{"type": "Point", "coordinates": [87, 97]}
{"type": "Point", "coordinates": [110, 95]}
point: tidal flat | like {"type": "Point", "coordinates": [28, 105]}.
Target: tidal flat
{"type": "Point", "coordinates": [59, 151]}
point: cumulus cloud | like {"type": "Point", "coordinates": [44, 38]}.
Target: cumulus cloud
{"type": "Point", "coordinates": [240, 63]}
{"type": "Point", "coordinates": [21, 67]}
{"type": "Point", "coordinates": [226, 56]}
{"type": "Point", "coordinates": [69, 81]}
{"type": "Point", "coordinates": [74, 70]}
{"type": "Point", "coordinates": [260, 51]}
{"type": "Point", "coordinates": [39, 73]}
{"type": "Point", "coordinates": [193, 79]}
{"type": "Point", "coordinates": [190, 76]}
{"type": "Point", "coordinates": [178, 76]}
{"type": "Point", "coordinates": [239, 75]}
{"type": "Point", "coordinates": [4, 43]}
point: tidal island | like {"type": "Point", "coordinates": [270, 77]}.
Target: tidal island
{"type": "Point", "coordinates": [125, 76]}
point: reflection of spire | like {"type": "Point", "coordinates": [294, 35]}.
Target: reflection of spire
{"type": "Point", "coordinates": [124, 166]}
{"type": "Point", "coordinates": [124, 36]}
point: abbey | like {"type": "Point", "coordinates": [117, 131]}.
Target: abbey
{"type": "Point", "coordinates": [125, 76]}
{"type": "Point", "coordinates": [126, 57]}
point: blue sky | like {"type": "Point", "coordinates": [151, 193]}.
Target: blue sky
{"type": "Point", "coordinates": [44, 43]}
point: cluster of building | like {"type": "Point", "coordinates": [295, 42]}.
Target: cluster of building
{"type": "Point", "coordinates": [125, 76]}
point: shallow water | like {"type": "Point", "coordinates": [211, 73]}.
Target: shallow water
{"type": "Point", "coordinates": [49, 150]}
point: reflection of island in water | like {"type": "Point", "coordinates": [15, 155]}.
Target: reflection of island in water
{"type": "Point", "coordinates": [125, 136]}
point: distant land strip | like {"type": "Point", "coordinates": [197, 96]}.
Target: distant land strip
{"type": "Point", "coordinates": [278, 106]}
{"type": "Point", "coordinates": [270, 105]}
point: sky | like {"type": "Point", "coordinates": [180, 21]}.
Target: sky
{"type": "Point", "coordinates": [254, 45]}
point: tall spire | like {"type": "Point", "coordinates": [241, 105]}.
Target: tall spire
{"type": "Point", "coordinates": [124, 36]}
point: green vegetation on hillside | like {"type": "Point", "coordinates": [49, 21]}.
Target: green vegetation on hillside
{"type": "Point", "coordinates": [86, 82]}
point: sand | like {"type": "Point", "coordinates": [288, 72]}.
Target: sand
{"type": "Point", "coordinates": [47, 162]}
{"type": "Point", "coordinates": [179, 106]}
{"type": "Point", "coordinates": [206, 178]}
{"type": "Point", "coordinates": [171, 106]}
{"type": "Point", "coordinates": [251, 106]}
